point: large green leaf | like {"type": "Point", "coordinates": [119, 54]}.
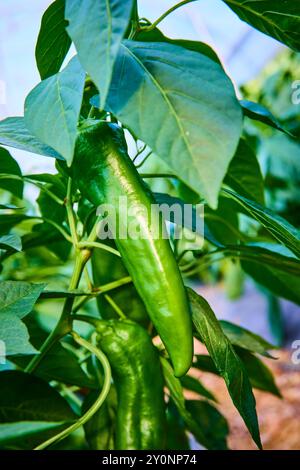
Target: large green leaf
{"type": "Point", "coordinates": [11, 241]}
{"type": "Point", "coordinates": [14, 133]}
{"type": "Point", "coordinates": [53, 41]}
{"type": "Point", "coordinates": [226, 361]}
{"type": "Point", "coordinates": [52, 109]}
{"type": "Point", "coordinates": [244, 174]}
{"type": "Point", "coordinates": [182, 104]}
{"type": "Point", "coordinates": [282, 230]}
{"type": "Point", "coordinates": [277, 18]}
{"type": "Point", "coordinates": [16, 301]}
{"type": "Point", "coordinates": [9, 165]}
{"type": "Point", "coordinates": [97, 28]}
{"type": "Point", "coordinates": [201, 432]}
{"type": "Point", "coordinates": [245, 339]}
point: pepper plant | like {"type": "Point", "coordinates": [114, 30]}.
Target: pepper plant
{"type": "Point", "coordinates": [134, 115]}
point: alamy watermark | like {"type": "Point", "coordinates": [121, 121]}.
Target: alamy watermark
{"type": "Point", "coordinates": [2, 353]}
{"type": "Point", "coordinates": [296, 354]}
{"type": "Point", "coordinates": [135, 221]}
{"type": "Point", "coordinates": [296, 92]}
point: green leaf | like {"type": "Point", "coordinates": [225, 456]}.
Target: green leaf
{"type": "Point", "coordinates": [209, 418]}
{"type": "Point", "coordinates": [261, 376]}
{"type": "Point", "coordinates": [24, 397]}
{"type": "Point", "coordinates": [177, 438]}
{"type": "Point", "coordinates": [270, 255]}
{"type": "Point", "coordinates": [53, 41]}
{"type": "Point", "coordinates": [14, 335]}
{"type": "Point", "coordinates": [8, 165]}
{"type": "Point", "coordinates": [181, 104]}
{"type": "Point", "coordinates": [194, 385]}
{"type": "Point", "coordinates": [245, 339]}
{"type": "Point", "coordinates": [282, 230]}
{"type": "Point", "coordinates": [14, 133]}
{"type": "Point", "coordinates": [258, 112]}
{"type": "Point", "coordinates": [155, 35]}
{"type": "Point", "coordinates": [59, 364]}
{"type": "Point", "coordinates": [15, 432]}
{"type": "Point", "coordinates": [276, 18]}
{"type": "Point", "coordinates": [52, 109]}
{"type": "Point", "coordinates": [223, 222]}
{"type": "Point", "coordinates": [11, 241]}
{"type": "Point", "coordinates": [9, 207]}
{"type": "Point", "coordinates": [8, 221]}
{"type": "Point", "coordinates": [202, 434]}
{"type": "Point", "coordinates": [16, 301]}
{"type": "Point", "coordinates": [17, 298]}
{"type": "Point", "coordinates": [98, 46]}
{"type": "Point", "coordinates": [282, 284]}
{"type": "Point", "coordinates": [226, 361]}
{"type": "Point", "coordinates": [244, 174]}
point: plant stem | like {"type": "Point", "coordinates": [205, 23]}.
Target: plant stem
{"type": "Point", "coordinates": [70, 214]}
{"type": "Point", "coordinates": [98, 403]}
{"type": "Point", "coordinates": [64, 325]}
{"type": "Point", "coordinates": [115, 307]}
{"type": "Point", "coordinates": [101, 246]}
{"type": "Point", "coordinates": [167, 13]}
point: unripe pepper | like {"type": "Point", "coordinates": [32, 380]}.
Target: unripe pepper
{"type": "Point", "coordinates": [104, 172]}
{"type": "Point", "coordinates": [137, 374]}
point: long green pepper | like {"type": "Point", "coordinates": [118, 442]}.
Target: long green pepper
{"type": "Point", "coordinates": [137, 374]}
{"type": "Point", "coordinates": [104, 173]}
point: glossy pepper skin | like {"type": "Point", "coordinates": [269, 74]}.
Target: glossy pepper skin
{"type": "Point", "coordinates": [104, 172]}
{"type": "Point", "coordinates": [141, 413]}
{"type": "Point", "coordinates": [106, 268]}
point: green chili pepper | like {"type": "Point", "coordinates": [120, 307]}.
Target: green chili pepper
{"type": "Point", "coordinates": [104, 173]}
{"type": "Point", "coordinates": [141, 415]}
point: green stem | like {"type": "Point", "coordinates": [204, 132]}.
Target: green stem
{"type": "Point", "coordinates": [42, 187]}
{"type": "Point", "coordinates": [58, 228]}
{"type": "Point", "coordinates": [167, 13]}
{"type": "Point", "coordinates": [64, 325]}
{"type": "Point", "coordinates": [101, 246]}
{"type": "Point", "coordinates": [70, 214]}
{"type": "Point", "coordinates": [97, 404]}
{"type": "Point", "coordinates": [115, 307]}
